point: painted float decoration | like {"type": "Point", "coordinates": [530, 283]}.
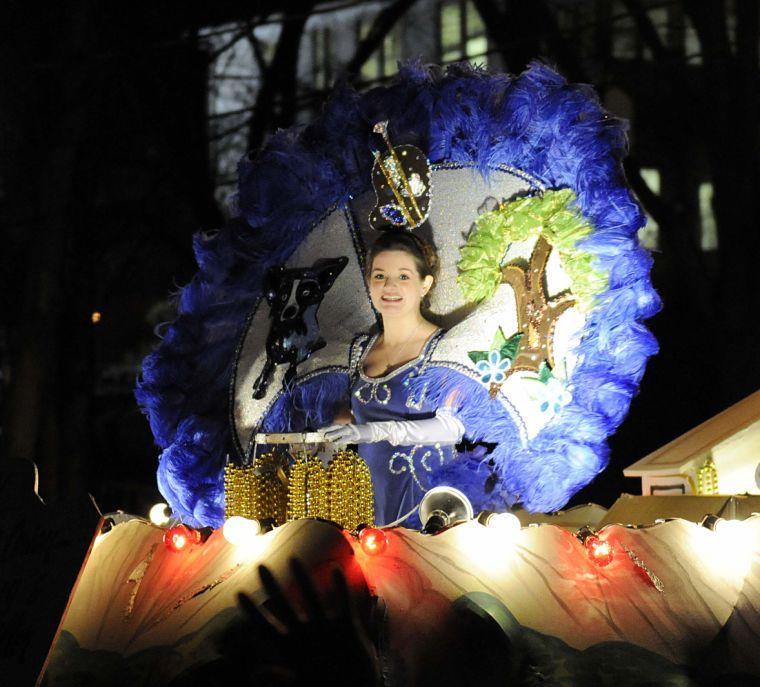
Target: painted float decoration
{"type": "Point", "coordinates": [662, 602]}
{"type": "Point", "coordinates": [542, 292]}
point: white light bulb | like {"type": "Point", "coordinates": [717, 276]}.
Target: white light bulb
{"type": "Point", "coordinates": [238, 530]}
{"type": "Point", "coordinates": [160, 514]}
{"type": "Point", "coordinates": [506, 522]}
{"type": "Point", "coordinates": [731, 532]}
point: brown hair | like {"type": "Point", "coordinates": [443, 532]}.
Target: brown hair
{"type": "Point", "coordinates": [424, 255]}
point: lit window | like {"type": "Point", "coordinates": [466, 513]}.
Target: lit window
{"type": "Point", "coordinates": [649, 234]}
{"type": "Point", "coordinates": [451, 32]}
{"type": "Point", "coordinates": [462, 32]}
{"type": "Point", "coordinates": [476, 45]}
{"type": "Point", "coordinates": [372, 69]}
{"type": "Point", "coordinates": [321, 59]}
{"type": "Point", "coordinates": [390, 54]}
{"type": "Point", "coordinates": [384, 61]}
{"type": "Point", "coordinates": [709, 233]}
{"type": "Point", "coordinates": [692, 46]}
{"type": "Point", "coordinates": [624, 33]}
{"type": "Point", "coordinates": [659, 18]}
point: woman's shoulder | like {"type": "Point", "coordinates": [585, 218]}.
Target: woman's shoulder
{"type": "Point", "coordinates": [357, 348]}
{"type": "Point", "coordinates": [361, 340]}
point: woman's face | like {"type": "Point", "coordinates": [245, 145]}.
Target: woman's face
{"type": "Point", "coordinates": [395, 285]}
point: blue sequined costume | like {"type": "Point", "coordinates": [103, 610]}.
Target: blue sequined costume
{"type": "Point", "coordinates": [400, 474]}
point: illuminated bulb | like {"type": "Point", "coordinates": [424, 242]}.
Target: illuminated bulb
{"type": "Point", "coordinates": [160, 514]}
{"type": "Point", "coordinates": [181, 537]}
{"type": "Point", "coordinates": [599, 551]}
{"type": "Point", "coordinates": [505, 522]}
{"type": "Point", "coordinates": [96, 317]}
{"type": "Point", "coordinates": [373, 541]}
{"type": "Point", "coordinates": [732, 534]}
{"type": "Point", "coordinates": [728, 526]}
{"type": "Point", "coordinates": [239, 531]}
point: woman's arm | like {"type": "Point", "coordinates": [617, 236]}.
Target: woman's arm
{"type": "Point", "coordinates": [444, 428]}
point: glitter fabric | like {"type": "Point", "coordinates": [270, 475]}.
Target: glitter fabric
{"type": "Point", "coordinates": [393, 214]}
{"type": "Point", "coordinates": [400, 474]}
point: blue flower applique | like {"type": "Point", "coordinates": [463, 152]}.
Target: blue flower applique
{"type": "Point", "coordinates": [556, 396]}
{"type": "Point", "coordinates": [493, 369]}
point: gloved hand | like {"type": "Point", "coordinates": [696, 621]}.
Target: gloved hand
{"type": "Point", "coordinates": [444, 428]}
{"type": "Point", "coordinates": [348, 434]}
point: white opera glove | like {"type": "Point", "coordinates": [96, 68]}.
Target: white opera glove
{"type": "Point", "coordinates": [444, 428]}
{"type": "Point", "coordinates": [348, 434]}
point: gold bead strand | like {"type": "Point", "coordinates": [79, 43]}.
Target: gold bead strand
{"type": "Point", "coordinates": [318, 489]}
{"type": "Point", "coordinates": [297, 507]}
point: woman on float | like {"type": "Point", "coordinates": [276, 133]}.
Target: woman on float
{"type": "Point", "coordinates": [400, 436]}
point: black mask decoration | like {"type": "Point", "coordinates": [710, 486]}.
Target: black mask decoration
{"type": "Point", "coordinates": [294, 296]}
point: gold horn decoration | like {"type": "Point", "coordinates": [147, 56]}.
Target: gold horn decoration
{"type": "Point", "coordinates": [352, 500]}
{"type": "Point", "coordinates": [401, 179]}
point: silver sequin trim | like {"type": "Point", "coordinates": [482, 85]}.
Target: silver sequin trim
{"type": "Point", "coordinates": [382, 398]}
{"type": "Point", "coordinates": [407, 462]}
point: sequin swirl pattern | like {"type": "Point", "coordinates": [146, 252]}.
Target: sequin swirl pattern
{"type": "Point", "coordinates": [373, 395]}
{"type": "Point", "coordinates": [407, 462]}
{"type": "Point", "coordinates": [411, 402]}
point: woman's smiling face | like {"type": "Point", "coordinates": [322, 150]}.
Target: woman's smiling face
{"type": "Point", "coordinates": [395, 285]}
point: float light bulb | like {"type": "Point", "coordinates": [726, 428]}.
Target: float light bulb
{"type": "Point", "coordinates": [180, 537]}
{"type": "Point", "coordinates": [239, 531]}
{"type": "Point", "coordinates": [729, 527]}
{"type": "Point", "coordinates": [159, 514]}
{"type": "Point", "coordinates": [373, 541]}
{"type": "Point", "coordinates": [599, 550]}
{"type": "Point", "coordinates": [732, 535]}
{"type": "Point", "coordinates": [505, 522]}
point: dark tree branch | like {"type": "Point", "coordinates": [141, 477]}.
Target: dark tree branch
{"type": "Point", "coordinates": [567, 57]}
{"type": "Point", "coordinates": [501, 30]}
{"type": "Point", "coordinates": [258, 52]}
{"type": "Point", "coordinates": [279, 80]}
{"type": "Point", "coordinates": [505, 30]}
{"type": "Point", "coordinates": [647, 29]}
{"type": "Point", "coordinates": [660, 211]}
{"type": "Point", "coordinates": [214, 54]}
{"type": "Point", "coordinates": [709, 19]}
{"type": "Point", "coordinates": [747, 21]}
{"type": "Point", "coordinates": [382, 25]}
{"type": "Point", "coordinates": [695, 275]}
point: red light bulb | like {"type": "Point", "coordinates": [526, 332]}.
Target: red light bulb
{"type": "Point", "coordinates": [181, 537]}
{"type": "Point", "coordinates": [373, 541]}
{"type": "Point", "coordinates": [599, 550]}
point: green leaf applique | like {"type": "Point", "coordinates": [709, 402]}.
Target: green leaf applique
{"type": "Point", "coordinates": [477, 356]}
{"type": "Point", "coordinates": [544, 373]}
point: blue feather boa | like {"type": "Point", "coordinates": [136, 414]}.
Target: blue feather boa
{"type": "Point", "coordinates": [537, 122]}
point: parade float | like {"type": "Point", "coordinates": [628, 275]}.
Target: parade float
{"type": "Point", "coordinates": [541, 298]}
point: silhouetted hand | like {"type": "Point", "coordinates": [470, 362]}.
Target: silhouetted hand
{"type": "Point", "coordinates": [322, 642]}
